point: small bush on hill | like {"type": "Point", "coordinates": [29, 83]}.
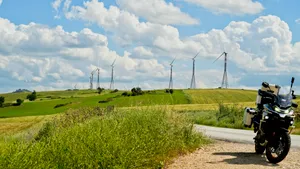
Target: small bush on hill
{"type": "Point", "coordinates": [32, 96]}
{"type": "Point", "coordinates": [114, 91]}
{"type": "Point", "coordinates": [103, 101]}
{"type": "Point", "coordinates": [136, 91]}
{"type": "Point", "coordinates": [18, 102]}
{"type": "Point", "coordinates": [2, 100]}
{"type": "Point", "coordinates": [106, 101]}
{"type": "Point", "coordinates": [125, 94]}
{"type": "Point", "coordinates": [171, 91]}
{"type": "Point", "coordinates": [61, 105]}
{"type": "Point", "coordinates": [100, 90]}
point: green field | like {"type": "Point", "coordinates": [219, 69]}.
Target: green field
{"type": "Point", "coordinates": [209, 96]}
{"type": "Point", "coordinates": [12, 97]}
{"type": "Point", "coordinates": [46, 101]}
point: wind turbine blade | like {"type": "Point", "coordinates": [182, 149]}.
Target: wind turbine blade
{"type": "Point", "coordinates": [196, 55]}
{"type": "Point", "coordinates": [173, 61]}
{"type": "Point", "coordinates": [219, 57]}
{"type": "Point", "coordinates": [114, 62]}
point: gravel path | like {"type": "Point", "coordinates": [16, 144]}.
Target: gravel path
{"type": "Point", "coordinates": [227, 155]}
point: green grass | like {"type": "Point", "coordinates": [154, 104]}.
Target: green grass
{"type": "Point", "coordinates": [46, 107]}
{"type": "Point", "coordinates": [141, 138]}
{"type": "Point", "coordinates": [11, 97]}
{"type": "Point", "coordinates": [19, 124]}
{"type": "Point", "coordinates": [208, 96]}
{"type": "Point", "coordinates": [229, 116]}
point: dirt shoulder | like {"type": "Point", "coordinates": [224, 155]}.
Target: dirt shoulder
{"type": "Point", "coordinates": [227, 155]}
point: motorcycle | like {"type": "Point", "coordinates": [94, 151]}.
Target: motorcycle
{"type": "Point", "coordinates": [273, 121]}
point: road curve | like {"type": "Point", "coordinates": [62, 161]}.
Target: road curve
{"type": "Point", "coordinates": [236, 135]}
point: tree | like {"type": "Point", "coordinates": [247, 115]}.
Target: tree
{"type": "Point", "coordinates": [2, 100]}
{"type": "Point", "coordinates": [32, 96]}
{"type": "Point", "coordinates": [100, 90]}
{"type": "Point", "coordinates": [171, 91]}
{"type": "Point", "coordinates": [137, 91]}
{"type": "Point", "coordinates": [19, 102]}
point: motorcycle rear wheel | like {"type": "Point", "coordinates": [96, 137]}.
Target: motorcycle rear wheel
{"type": "Point", "coordinates": [286, 140]}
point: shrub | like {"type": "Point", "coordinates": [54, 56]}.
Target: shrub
{"type": "Point", "coordinates": [100, 90]}
{"type": "Point", "coordinates": [61, 105]}
{"type": "Point", "coordinates": [170, 91]}
{"type": "Point", "coordinates": [18, 102]}
{"type": "Point", "coordinates": [32, 96]}
{"type": "Point", "coordinates": [136, 91]}
{"type": "Point", "coordinates": [114, 91]}
{"type": "Point", "coordinates": [125, 94]}
{"type": "Point", "coordinates": [2, 100]}
{"type": "Point", "coordinates": [106, 101]}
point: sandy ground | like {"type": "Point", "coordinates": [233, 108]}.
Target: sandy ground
{"type": "Point", "coordinates": [227, 155]}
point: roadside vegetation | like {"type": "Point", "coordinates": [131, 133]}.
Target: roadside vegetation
{"type": "Point", "coordinates": [96, 138]}
{"type": "Point", "coordinates": [228, 116]}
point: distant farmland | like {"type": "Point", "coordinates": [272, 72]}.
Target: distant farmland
{"type": "Point", "coordinates": [209, 96]}
{"type": "Point", "coordinates": [47, 101]}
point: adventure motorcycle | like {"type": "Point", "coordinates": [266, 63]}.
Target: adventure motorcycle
{"type": "Point", "coordinates": [271, 120]}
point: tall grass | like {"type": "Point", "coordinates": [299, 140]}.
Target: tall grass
{"type": "Point", "coordinates": [229, 116]}
{"type": "Point", "coordinates": [141, 138]}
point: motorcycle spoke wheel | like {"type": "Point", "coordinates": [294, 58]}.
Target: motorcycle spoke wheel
{"type": "Point", "coordinates": [279, 149]}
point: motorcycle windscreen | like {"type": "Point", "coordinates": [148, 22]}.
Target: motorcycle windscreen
{"type": "Point", "coordinates": [284, 98]}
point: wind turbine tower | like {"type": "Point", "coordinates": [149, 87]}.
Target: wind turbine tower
{"type": "Point", "coordinates": [112, 82]}
{"type": "Point", "coordinates": [91, 80]}
{"type": "Point", "coordinates": [225, 79]}
{"type": "Point", "coordinates": [98, 79]}
{"type": "Point", "coordinates": [193, 81]}
{"type": "Point", "coordinates": [171, 75]}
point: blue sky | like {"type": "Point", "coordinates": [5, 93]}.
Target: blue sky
{"type": "Point", "coordinates": [66, 42]}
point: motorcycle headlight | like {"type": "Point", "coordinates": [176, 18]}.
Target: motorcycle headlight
{"type": "Point", "coordinates": [277, 109]}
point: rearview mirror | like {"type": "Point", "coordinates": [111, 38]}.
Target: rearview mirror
{"type": "Point", "coordinates": [265, 85]}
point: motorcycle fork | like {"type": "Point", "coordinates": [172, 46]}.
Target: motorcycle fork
{"type": "Point", "coordinates": [292, 128]}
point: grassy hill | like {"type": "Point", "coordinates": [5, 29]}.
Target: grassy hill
{"type": "Point", "coordinates": [12, 97]}
{"type": "Point", "coordinates": [47, 101]}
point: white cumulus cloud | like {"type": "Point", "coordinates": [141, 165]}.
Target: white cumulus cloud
{"type": "Point", "coordinates": [38, 55]}
{"type": "Point", "coordinates": [235, 7]}
{"type": "Point", "coordinates": [157, 11]}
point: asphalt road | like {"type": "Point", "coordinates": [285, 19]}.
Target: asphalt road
{"type": "Point", "coordinates": [235, 135]}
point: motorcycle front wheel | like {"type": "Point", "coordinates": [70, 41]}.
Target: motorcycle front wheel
{"type": "Point", "coordinates": [277, 150]}
{"type": "Point", "coordinates": [259, 149]}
